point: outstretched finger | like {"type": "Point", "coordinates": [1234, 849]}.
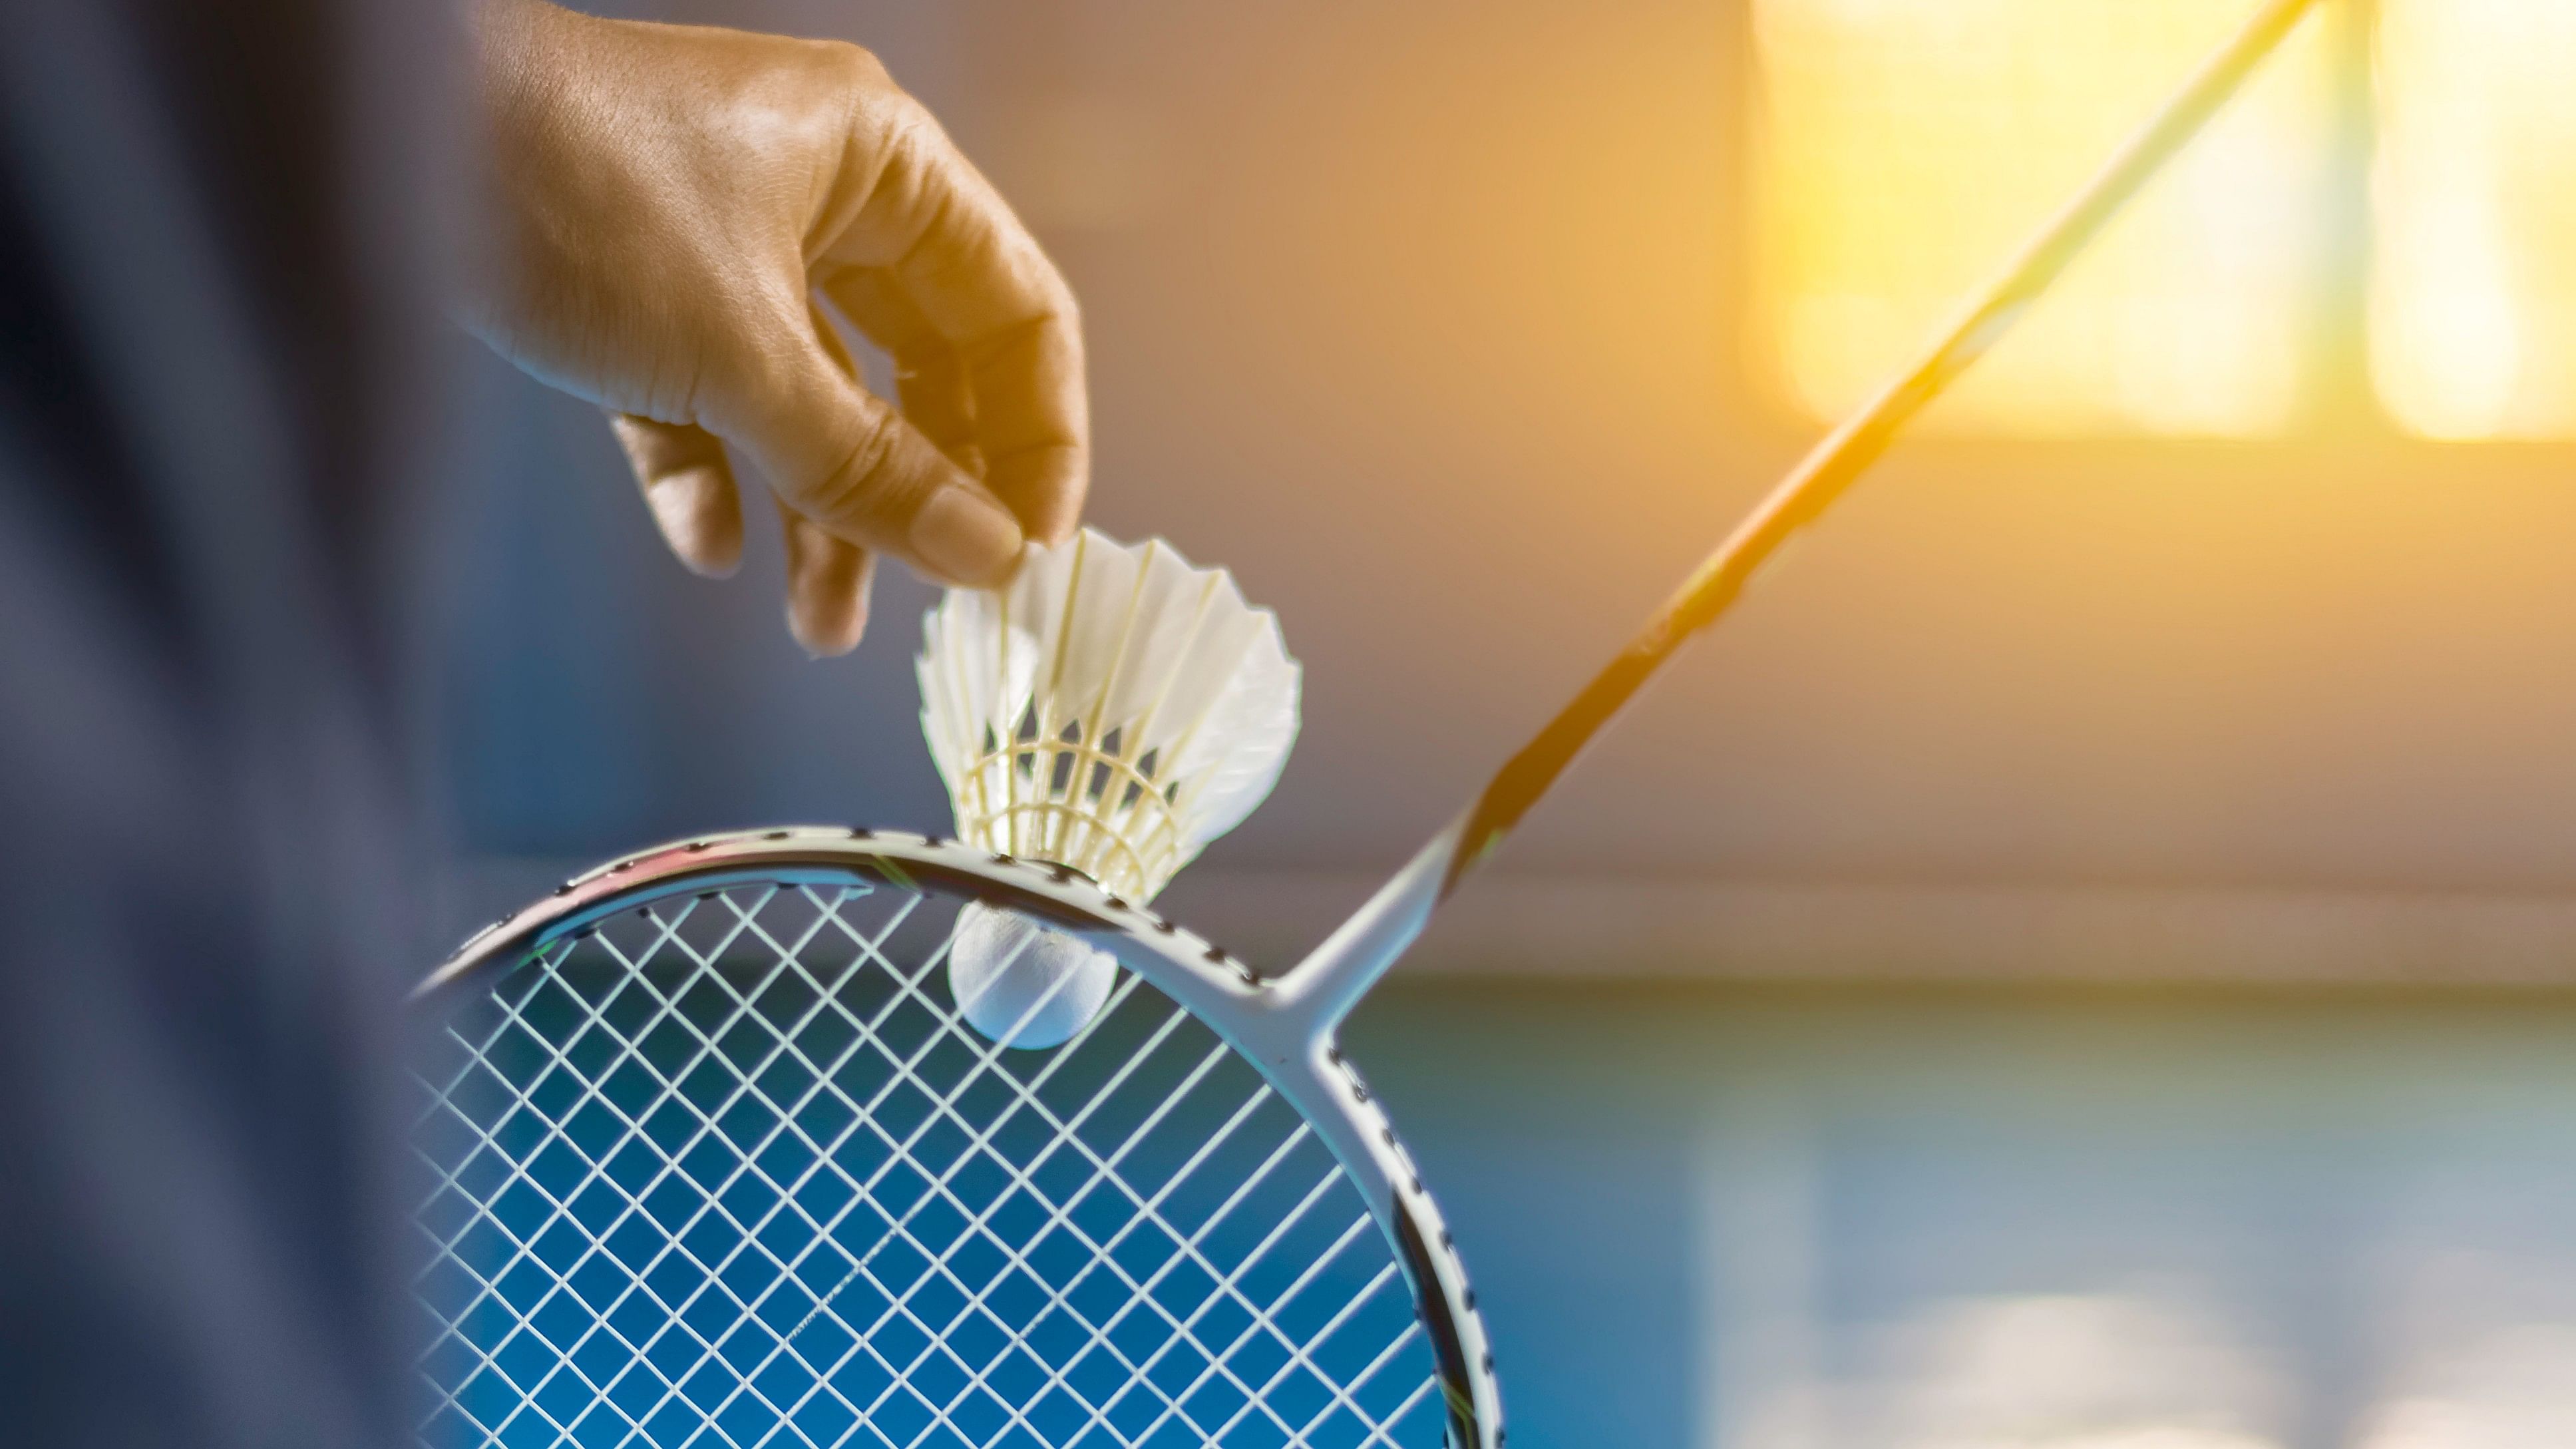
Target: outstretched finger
{"type": "Point", "coordinates": [688, 486]}
{"type": "Point", "coordinates": [827, 586]}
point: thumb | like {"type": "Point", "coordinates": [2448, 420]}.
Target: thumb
{"type": "Point", "coordinates": [846, 460]}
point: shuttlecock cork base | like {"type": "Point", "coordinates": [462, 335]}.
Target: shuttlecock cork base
{"type": "Point", "coordinates": [1113, 709]}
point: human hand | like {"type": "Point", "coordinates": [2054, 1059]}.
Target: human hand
{"type": "Point", "coordinates": [670, 209]}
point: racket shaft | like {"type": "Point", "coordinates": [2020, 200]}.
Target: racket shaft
{"type": "Point", "coordinates": [1343, 968]}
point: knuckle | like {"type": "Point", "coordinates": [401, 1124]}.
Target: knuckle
{"type": "Point", "coordinates": [871, 485]}
{"type": "Point", "coordinates": [910, 139]}
{"type": "Point", "coordinates": [853, 67]}
{"type": "Point", "coordinates": [1065, 308]}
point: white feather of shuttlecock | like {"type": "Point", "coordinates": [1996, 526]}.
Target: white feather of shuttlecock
{"type": "Point", "coordinates": [1112, 709]}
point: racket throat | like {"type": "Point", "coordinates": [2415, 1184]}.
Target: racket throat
{"type": "Point", "coordinates": [1320, 990]}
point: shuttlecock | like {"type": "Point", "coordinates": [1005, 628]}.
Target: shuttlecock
{"type": "Point", "coordinates": [1113, 710]}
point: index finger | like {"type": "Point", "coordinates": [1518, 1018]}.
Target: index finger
{"type": "Point", "coordinates": [945, 239]}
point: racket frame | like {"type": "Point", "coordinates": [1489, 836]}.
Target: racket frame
{"type": "Point", "coordinates": [1288, 1036]}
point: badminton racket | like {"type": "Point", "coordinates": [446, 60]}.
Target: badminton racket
{"type": "Point", "coordinates": [716, 1159]}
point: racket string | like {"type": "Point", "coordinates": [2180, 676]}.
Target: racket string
{"type": "Point", "coordinates": [1106, 1326]}
{"type": "Point", "coordinates": [1149, 1213]}
{"type": "Point", "coordinates": [653, 1364]}
{"type": "Point", "coordinates": [1103, 1170]}
{"type": "Point", "coordinates": [561, 1211]}
{"type": "Point", "coordinates": [898, 1301]}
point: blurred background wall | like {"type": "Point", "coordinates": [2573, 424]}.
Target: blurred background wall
{"type": "Point", "coordinates": [2201, 674]}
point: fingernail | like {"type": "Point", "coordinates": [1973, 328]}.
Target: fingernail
{"type": "Point", "coordinates": [965, 539]}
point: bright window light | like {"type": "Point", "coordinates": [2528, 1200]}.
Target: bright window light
{"type": "Point", "coordinates": [2473, 286]}
{"type": "Point", "coordinates": [1908, 147]}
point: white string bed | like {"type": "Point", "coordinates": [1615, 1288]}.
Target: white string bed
{"type": "Point", "coordinates": [732, 1171]}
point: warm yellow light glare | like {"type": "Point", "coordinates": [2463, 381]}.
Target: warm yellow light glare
{"type": "Point", "coordinates": [2473, 286]}
{"type": "Point", "coordinates": [1910, 146]}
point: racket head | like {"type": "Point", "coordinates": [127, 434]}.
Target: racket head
{"type": "Point", "coordinates": [705, 1128]}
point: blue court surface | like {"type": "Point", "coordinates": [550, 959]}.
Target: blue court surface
{"type": "Point", "coordinates": [1811, 1219]}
